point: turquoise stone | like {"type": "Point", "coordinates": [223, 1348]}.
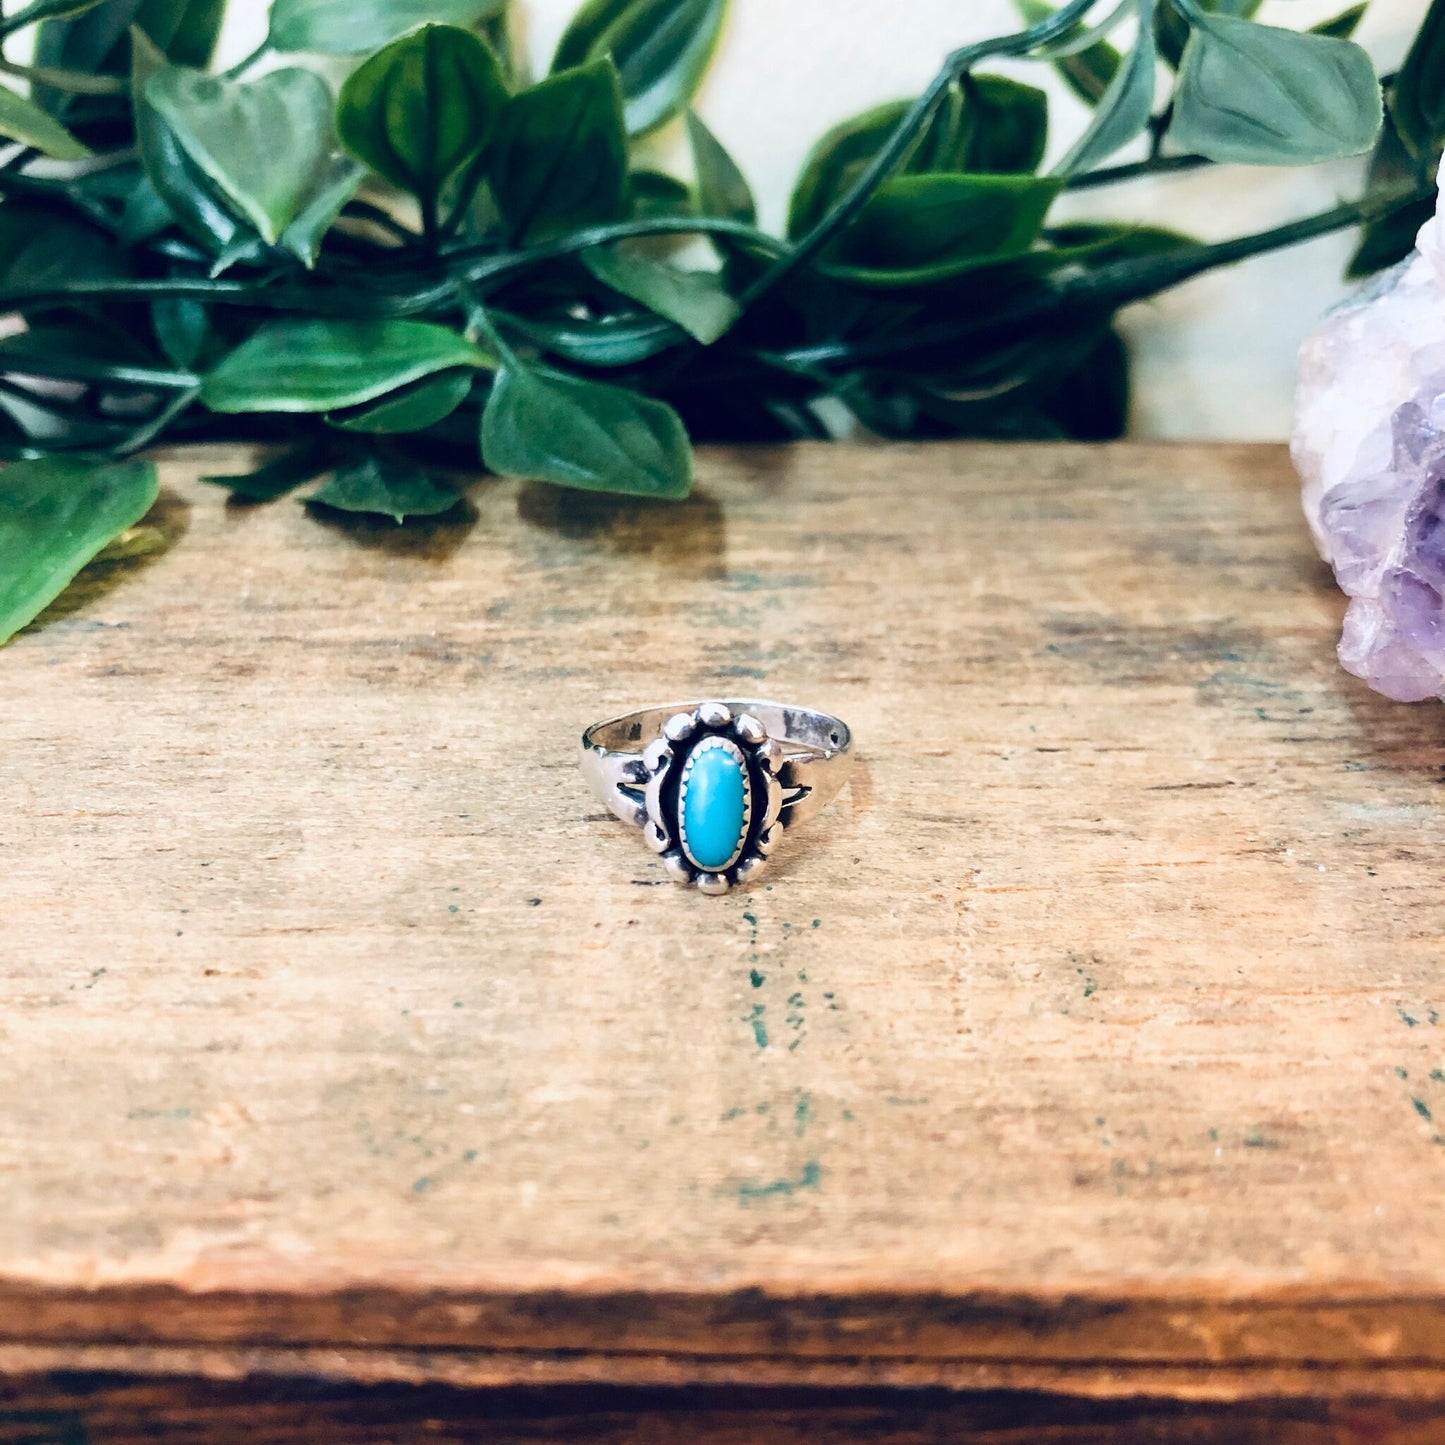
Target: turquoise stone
{"type": "Point", "coordinates": [714, 804]}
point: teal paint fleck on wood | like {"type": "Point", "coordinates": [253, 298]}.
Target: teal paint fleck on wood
{"type": "Point", "coordinates": [714, 804]}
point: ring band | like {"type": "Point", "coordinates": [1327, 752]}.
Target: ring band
{"type": "Point", "coordinates": [713, 785]}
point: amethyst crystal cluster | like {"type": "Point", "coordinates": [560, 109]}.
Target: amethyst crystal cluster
{"type": "Point", "coordinates": [1369, 444]}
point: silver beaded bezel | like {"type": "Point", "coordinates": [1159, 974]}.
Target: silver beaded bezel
{"type": "Point", "coordinates": [683, 735]}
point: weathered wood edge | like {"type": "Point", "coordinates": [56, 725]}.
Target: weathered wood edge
{"type": "Point", "coordinates": [500, 1369]}
{"type": "Point", "coordinates": [1287, 1328]}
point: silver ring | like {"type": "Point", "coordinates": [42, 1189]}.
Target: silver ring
{"type": "Point", "coordinates": [713, 785]}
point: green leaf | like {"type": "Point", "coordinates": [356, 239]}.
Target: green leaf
{"type": "Point", "coordinates": [1088, 73]}
{"type": "Point", "coordinates": [1343, 25]}
{"type": "Point", "coordinates": [182, 327]}
{"type": "Point", "coordinates": [56, 513]}
{"type": "Point", "coordinates": [661, 49]}
{"type": "Point", "coordinates": [39, 10]}
{"type": "Point", "coordinates": [835, 161]}
{"type": "Point", "coordinates": [321, 365]}
{"type": "Point", "coordinates": [387, 486]}
{"type": "Point", "coordinates": [1391, 238]}
{"type": "Point", "coordinates": [185, 31]}
{"type": "Point", "coordinates": [1417, 102]}
{"type": "Point", "coordinates": [1264, 96]}
{"type": "Point", "coordinates": [336, 185]}
{"type": "Point", "coordinates": [41, 246]}
{"type": "Point", "coordinates": [24, 121]}
{"type": "Point", "coordinates": [1008, 126]}
{"type": "Point", "coordinates": [97, 43]}
{"type": "Point", "coordinates": [560, 160]}
{"type": "Point", "coordinates": [921, 229]}
{"type": "Point", "coordinates": [722, 190]}
{"type": "Point", "coordinates": [187, 192]}
{"type": "Point", "coordinates": [280, 475]}
{"type": "Point", "coordinates": [412, 408]}
{"type": "Point", "coordinates": [695, 300]}
{"type": "Point", "coordinates": [656, 194]}
{"type": "Point", "coordinates": [1171, 29]}
{"type": "Point", "coordinates": [1125, 107]}
{"type": "Point", "coordinates": [266, 144]}
{"type": "Point", "coordinates": [608, 341]}
{"type": "Point", "coordinates": [351, 27]}
{"type": "Point", "coordinates": [575, 433]}
{"type": "Point", "coordinates": [424, 108]}
{"type": "Point", "coordinates": [994, 125]}
{"type": "Point", "coordinates": [586, 26]}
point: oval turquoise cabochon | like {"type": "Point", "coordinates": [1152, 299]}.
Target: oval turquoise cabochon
{"type": "Point", "coordinates": [713, 804]}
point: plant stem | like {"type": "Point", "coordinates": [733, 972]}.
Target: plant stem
{"type": "Point", "coordinates": [247, 61]}
{"type": "Point", "coordinates": [1135, 170]}
{"type": "Point", "coordinates": [1103, 291]}
{"type": "Point", "coordinates": [76, 81]}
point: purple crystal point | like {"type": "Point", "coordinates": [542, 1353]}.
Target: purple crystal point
{"type": "Point", "coordinates": [1369, 443]}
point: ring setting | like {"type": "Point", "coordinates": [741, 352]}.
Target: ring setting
{"type": "Point", "coordinates": [715, 784]}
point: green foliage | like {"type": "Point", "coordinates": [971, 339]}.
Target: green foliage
{"type": "Point", "coordinates": [387, 485]}
{"type": "Point", "coordinates": [1269, 97]}
{"type": "Point", "coordinates": [56, 513]}
{"type": "Point", "coordinates": [447, 265]}
{"type": "Point", "coordinates": [577, 433]}
{"type": "Point", "coordinates": [358, 27]}
{"type": "Point", "coordinates": [560, 157]}
{"type": "Point", "coordinates": [661, 49]}
{"type": "Point", "coordinates": [330, 364]}
{"type": "Point", "coordinates": [424, 109]}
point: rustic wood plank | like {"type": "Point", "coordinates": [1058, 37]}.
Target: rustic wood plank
{"type": "Point", "coordinates": [1096, 1027]}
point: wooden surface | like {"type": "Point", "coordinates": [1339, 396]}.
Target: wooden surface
{"type": "Point", "coordinates": [1093, 1042]}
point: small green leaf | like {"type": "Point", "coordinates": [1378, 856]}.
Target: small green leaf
{"type": "Point", "coordinates": [608, 341]}
{"type": "Point", "coordinates": [186, 191]}
{"type": "Point", "coordinates": [182, 327]}
{"type": "Point", "coordinates": [424, 108]}
{"type": "Point", "coordinates": [336, 185]}
{"type": "Point", "coordinates": [1008, 127]}
{"type": "Point", "coordinates": [655, 194]}
{"type": "Point", "coordinates": [1390, 238]}
{"type": "Point", "coordinates": [995, 125]}
{"type": "Point", "coordinates": [56, 513]}
{"type": "Point", "coordinates": [266, 144]}
{"type": "Point", "coordinates": [41, 245]}
{"type": "Point", "coordinates": [560, 159]}
{"type": "Point", "coordinates": [280, 475]}
{"type": "Point", "coordinates": [1171, 29]}
{"type": "Point", "coordinates": [836, 159]}
{"type": "Point", "coordinates": [586, 26]}
{"type": "Point", "coordinates": [695, 300]}
{"type": "Point", "coordinates": [1088, 73]}
{"type": "Point", "coordinates": [351, 27]}
{"type": "Point", "coordinates": [575, 433]}
{"type": "Point", "coordinates": [387, 486]}
{"type": "Point", "coordinates": [1417, 102]}
{"type": "Point", "coordinates": [1343, 25]}
{"type": "Point", "coordinates": [186, 31]}
{"type": "Point", "coordinates": [921, 229]}
{"type": "Point", "coordinates": [322, 365]}
{"type": "Point", "coordinates": [1260, 95]}
{"type": "Point", "coordinates": [661, 49]}
{"type": "Point", "coordinates": [22, 120]}
{"type": "Point", "coordinates": [1124, 109]}
{"type": "Point", "coordinates": [722, 190]}
{"type": "Point", "coordinates": [410, 409]}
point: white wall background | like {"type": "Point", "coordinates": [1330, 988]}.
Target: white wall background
{"type": "Point", "coordinates": [1215, 358]}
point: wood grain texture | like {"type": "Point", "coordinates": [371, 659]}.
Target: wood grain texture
{"type": "Point", "coordinates": [1097, 1031]}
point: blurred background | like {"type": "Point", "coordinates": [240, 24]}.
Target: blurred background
{"type": "Point", "coordinates": [1215, 358]}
